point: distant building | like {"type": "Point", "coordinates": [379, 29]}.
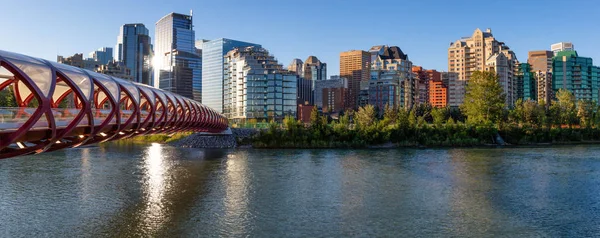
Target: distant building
{"type": "Point", "coordinates": [213, 71]}
{"type": "Point", "coordinates": [334, 99]}
{"type": "Point", "coordinates": [355, 66]}
{"type": "Point", "coordinates": [527, 84]}
{"type": "Point", "coordinates": [78, 61]}
{"type": "Point", "coordinates": [576, 74]}
{"type": "Point", "coordinates": [179, 68]}
{"type": "Point", "coordinates": [476, 53]}
{"type": "Point", "coordinates": [541, 67]}
{"type": "Point", "coordinates": [134, 48]}
{"type": "Point", "coordinates": [391, 80]}
{"type": "Point", "coordinates": [422, 78]}
{"type": "Point", "coordinates": [103, 55]}
{"type": "Point", "coordinates": [438, 94]}
{"type": "Point", "coordinates": [562, 46]}
{"type": "Point", "coordinates": [117, 69]}
{"type": "Point", "coordinates": [314, 69]}
{"type": "Point", "coordinates": [296, 66]}
{"type": "Point", "coordinates": [304, 112]}
{"type": "Point", "coordinates": [321, 96]}
{"type": "Point", "coordinates": [305, 92]}
{"type": "Point", "coordinates": [248, 70]}
{"type": "Point", "coordinates": [456, 88]}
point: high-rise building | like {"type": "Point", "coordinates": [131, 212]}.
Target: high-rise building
{"type": "Point", "coordinates": [391, 80]}
{"type": "Point", "coordinates": [103, 55]}
{"type": "Point", "coordinates": [456, 88]}
{"type": "Point", "coordinates": [541, 66]}
{"type": "Point", "coordinates": [562, 46]}
{"type": "Point", "coordinates": [314, 69]}
{"type": "Point", "coordinates": [475, 53]}
{"type": "Point", "coordinates": [178, 68]}
{"type": "Point", "coordinates": [526, 83]}
{"type": "Point", "coordinates": [305, 95]}
{"type": "Point", "coordinates": [354, 66]}
{"type": "Point", "coordinates": [213, 71]}
{"type": "Point", "coordinates": [296, 66]}
{"type": "Point", "coordinates": [257, 87]}
{"type": "Point", "coordinates": [438, 93]}
{"type": "Point", "coordinates": [322, 97]}
{"type": "Point", "coordinates": [576, 74]}
{"type": "Point", "coordinates": [134, 48]}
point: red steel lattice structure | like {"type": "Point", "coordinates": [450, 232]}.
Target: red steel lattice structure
{"type": "Point", "coordinates": [104, 108]}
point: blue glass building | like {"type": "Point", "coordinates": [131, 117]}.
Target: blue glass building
{"type": "Point", "coordinates": [134, 48]}
{"type": "Point", "coordinates": [178, 67]}
{"type": "Point", "coordinates": [103, 55]}
{"type": "Point", "coordinates": [213, 53]}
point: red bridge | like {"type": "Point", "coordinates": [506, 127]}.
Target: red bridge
{"type": "Point", "coordinates": [45, 106]}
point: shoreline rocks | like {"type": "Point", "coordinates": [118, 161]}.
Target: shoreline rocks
{"type": "Point", "coordinates": [215, 141]}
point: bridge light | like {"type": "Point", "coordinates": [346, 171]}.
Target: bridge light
{"type": "Point", "coordinates": [121, 133]}
{"type": "Point", "coordinates": [81, 136]}
{"type": "Point", "coordinates": [21, 145]}
{"type": "Point", "coordinates": [58, 142]}
{"type": "Point", "coordinates": [102, 134]}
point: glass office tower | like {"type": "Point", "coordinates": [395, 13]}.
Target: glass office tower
{"type": "Point", "coordinates": [134, 48]}
{"type": "Point", "coordinates": [178, 67]}
{"type": "Point", "coordinates": [103, 55]}
{"type": "Point", "coordinates": [212, 70]}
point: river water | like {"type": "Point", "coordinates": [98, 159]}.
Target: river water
{"type": "Point", "coordinates": [156, 190]}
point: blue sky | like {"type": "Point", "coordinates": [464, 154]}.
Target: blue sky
{"type": "Point", "coordinates": [296, 29]}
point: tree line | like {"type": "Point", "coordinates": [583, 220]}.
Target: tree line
{"type": "Point", "coordinates": [482, 119]}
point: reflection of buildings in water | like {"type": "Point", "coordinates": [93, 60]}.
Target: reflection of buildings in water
{"type": "Point", "coordinates": [470, 184]}
{"type": "Point", "coordinates": [85, 178]}
{"type": "Point", "coordinates": [236, 193]}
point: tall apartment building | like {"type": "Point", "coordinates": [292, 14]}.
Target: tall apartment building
{"type": "Point", "coordinates": [354, 66]}
{"type": "Point", "coordinates": [305, 95]}
{"type": "Point", "coordinates": [257, 87]}
{"type": "Point", "coordinates": [214, 72]}
{"type": "Point", "coordinates": [527, 84]}
{"type": "Point", "coordinates": [576, 74]}
{"type": "Point", "coordinates": [178, 68]}
{"type": "Point", "coordinates": [323, 97]}
{"type": "Point", "coordinates": [134, 48]}
{"type": "Point", "coordinates": [391, 80]}
{"type": "Point", "coordinates": [479, 52]}
{"type": "Point", "coordinates": [541, 67]}
{"type": "Point", "coordinates": [421, 81]}
{"type": "Point", "coordinates": [103, 55]}
{"type": "Point", "coordinates": [562, 46]}
{"type": "Point", "coordinates": [456, 88]}
{"type": "Point", "coordinates": [438, 93]}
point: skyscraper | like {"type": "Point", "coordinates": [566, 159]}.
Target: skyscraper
{"type": "Point", "coordinates": [354, 66]}
{"type": "Point", "coordinates": [103, 55]}
{"type": "Point", "coordinates": [213, 71]}
{"type": "Point", "coordinates": [314, 69]}
{"type": "Point", "coordinates": [296, 67]}
{"type": "Point", "coordinates": [178, 68]}
{"type": "Point", "coordinates": [134, 48]}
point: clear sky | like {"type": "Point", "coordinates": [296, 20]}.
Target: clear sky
{"type": "Point", "coordinates": [296, 29]}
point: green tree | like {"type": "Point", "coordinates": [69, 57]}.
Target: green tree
{"type": "Point", "coordinates": [484, 99]}
{"type": "Point", "coordinates": [563, 108]}
{"type": "Point", "coordinates": [438, 115]}
{"type": "Point", "coordinates": [390, 115]}
{"type": "Point", "coordinates": [586, 112]}
{"type": "Point", "coordinates": [365, 116]}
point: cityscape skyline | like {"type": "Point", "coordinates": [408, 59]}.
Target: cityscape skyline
{"type": "Point", "coordinates": [426, 42]}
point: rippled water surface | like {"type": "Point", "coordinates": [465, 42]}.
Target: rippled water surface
{"type": "Point", "coordinates": [156, 190]}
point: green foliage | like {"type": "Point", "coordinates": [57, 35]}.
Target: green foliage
{"type": "Point", "coordinates": [484, 99]}
{"type": "Point", "coordinates": [7, 97]}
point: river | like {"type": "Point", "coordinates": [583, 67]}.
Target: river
{"type": "Point", "coordinates": [117, 190]}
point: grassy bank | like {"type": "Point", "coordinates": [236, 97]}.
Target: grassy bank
{"type": "Point", "coordinates": [158, 138]}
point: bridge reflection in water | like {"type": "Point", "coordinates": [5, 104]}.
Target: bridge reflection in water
{"type": "Point", "coordinates": [45, 106]}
